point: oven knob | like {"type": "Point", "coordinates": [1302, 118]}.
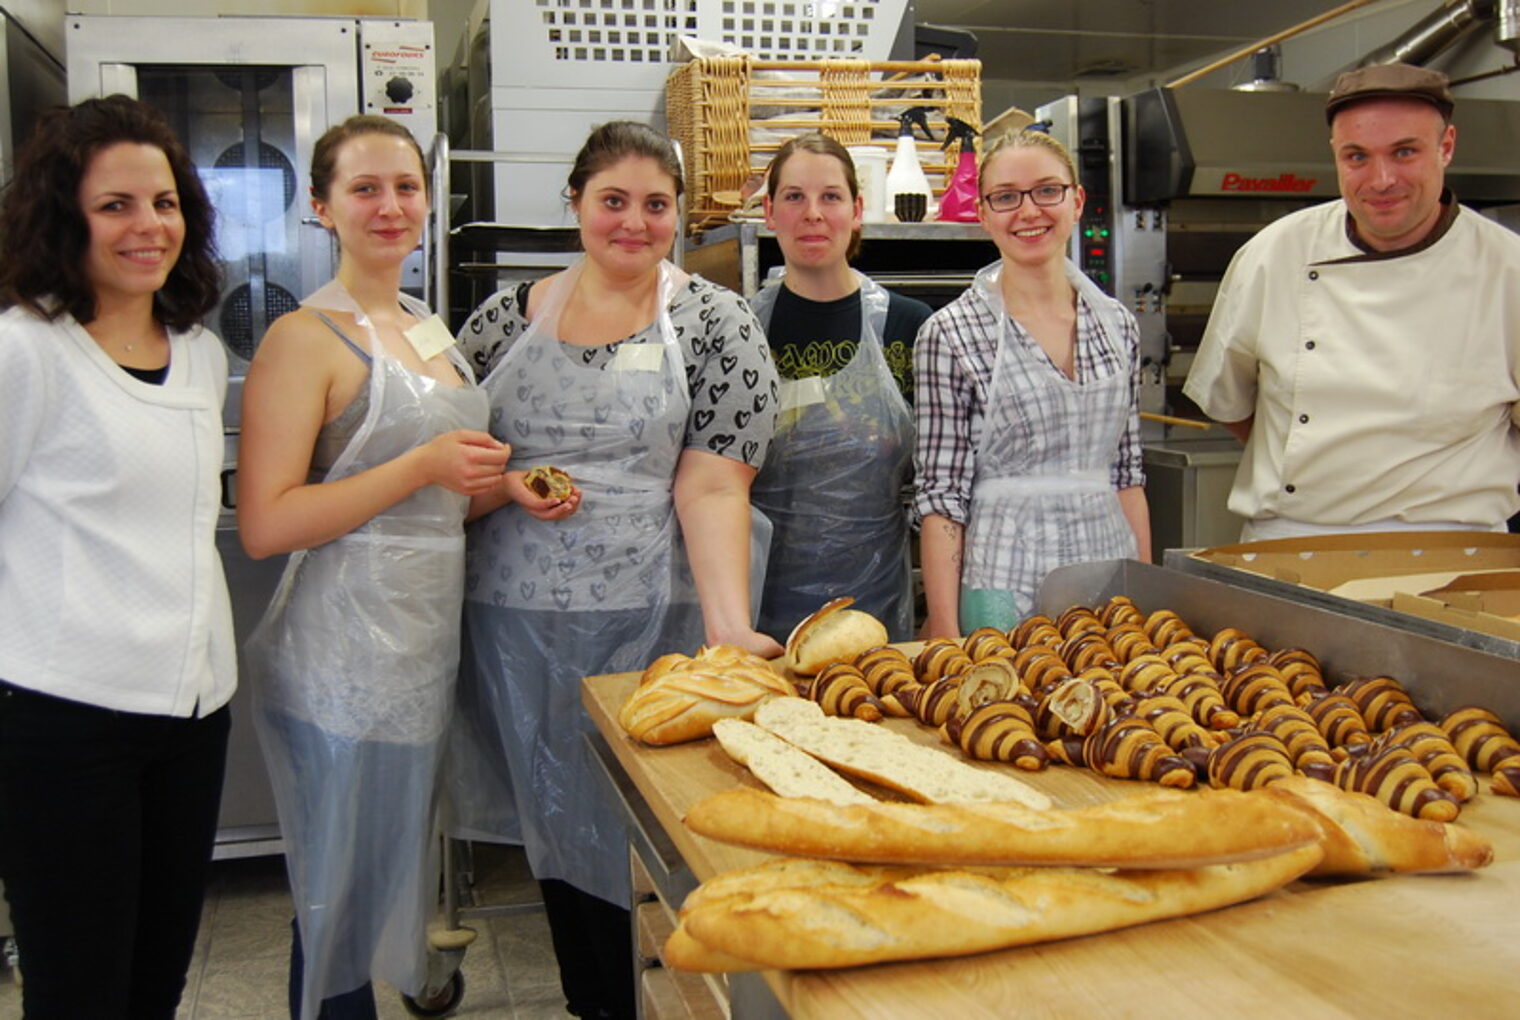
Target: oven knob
{"type": "Point", "coordinates": [398, 90]}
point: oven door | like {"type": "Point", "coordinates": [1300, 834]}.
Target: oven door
{"type": "Point", "coordinates": [248, 97]}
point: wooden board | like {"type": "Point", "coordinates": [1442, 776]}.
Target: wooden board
{"type": "Point", "coordinates": [1405, 946]}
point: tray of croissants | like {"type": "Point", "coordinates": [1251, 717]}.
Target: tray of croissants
{"type": "Point", "coordinates": [1250, 767]}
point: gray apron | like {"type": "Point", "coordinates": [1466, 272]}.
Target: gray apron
{"type": "Point", "coordinates": [604, 590]}
{"type": "Point", "coordinates": [353, 672]}
{"type": "Point", "coordinates": [832, 485]}
{"type": "Point", "coordinates": [1042, 495]}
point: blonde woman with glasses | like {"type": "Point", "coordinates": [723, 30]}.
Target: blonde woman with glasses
{"type": "Point", "coordinates": [1028, 450]}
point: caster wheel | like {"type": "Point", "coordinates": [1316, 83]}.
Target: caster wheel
{"type": "Point", "coordinates": [443, 1004]}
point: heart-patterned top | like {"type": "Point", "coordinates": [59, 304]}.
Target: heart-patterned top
{"type": "Point", "coordinates": [729, 371]}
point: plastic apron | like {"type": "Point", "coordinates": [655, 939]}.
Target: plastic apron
{"type": "Point", "coordinates": [832, 485]}
{"type": "Point", "coordinates": [604, 590]}
{"type": "Point", "coordinates": [1042, 496]}
{"type": "Point", "coordinates": [353, 674]}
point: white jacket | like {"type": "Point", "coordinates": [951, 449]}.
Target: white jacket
{"type": "Point", "coordinates": [111, 589]}
{"type": "Point", "coordinates": [1384, 389]}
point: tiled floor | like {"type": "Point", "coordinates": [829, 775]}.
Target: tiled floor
{"type": "Point", "coordinates": [240, 965]}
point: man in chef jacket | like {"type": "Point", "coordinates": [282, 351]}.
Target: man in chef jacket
{"type": "Point", "coordinates": [1367, 350]}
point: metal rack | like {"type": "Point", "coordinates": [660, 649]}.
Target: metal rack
{"type": "Point", "coordinates": [739, 255]}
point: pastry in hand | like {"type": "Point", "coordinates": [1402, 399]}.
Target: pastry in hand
{"type": "Point", "coordinates": [548, 482]}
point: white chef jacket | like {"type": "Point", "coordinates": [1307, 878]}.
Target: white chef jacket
{"type": "Point", "coordinates": [1384, 387]}
{"type": "Point", "coordinates": [111, 589]}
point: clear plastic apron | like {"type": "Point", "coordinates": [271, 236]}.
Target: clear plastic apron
{"type": "Point", "coordinates": [832, 485]}
{"type": "Point", "coordinates": [1042, 496]}
{"type": "Point", "coordinates": [604, 590]}
{"type": "Point", "coordinates": [353, 674]}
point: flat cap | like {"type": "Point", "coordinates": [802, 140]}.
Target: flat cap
{"type": "Point", "coordinates": [1390, 81]}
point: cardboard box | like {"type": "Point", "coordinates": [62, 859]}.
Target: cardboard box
{"type": "Point", "coordinates": [1488, 602]}
{"type": "Point", "coordinates": [1330, 562]}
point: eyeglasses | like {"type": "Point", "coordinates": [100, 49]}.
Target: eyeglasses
{"type": "Point", "coordinates": [1040, 194]}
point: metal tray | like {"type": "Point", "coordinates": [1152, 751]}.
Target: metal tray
{"type": "Point", "coordinates": [1439, 675]}
{"type": "Point", "coordinates": [1179, 559]}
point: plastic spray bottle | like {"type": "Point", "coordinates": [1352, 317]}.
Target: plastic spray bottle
{"type": "Point", "coordinates": [959, 202]}
{"type": "Point", "coordinates": [908, 194]}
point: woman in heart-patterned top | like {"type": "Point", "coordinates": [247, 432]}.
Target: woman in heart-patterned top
{"type": "Point", "coordinates": [654, 390]}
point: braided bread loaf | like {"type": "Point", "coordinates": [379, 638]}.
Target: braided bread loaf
{"type": "Point", "coordinates": [680, 697]}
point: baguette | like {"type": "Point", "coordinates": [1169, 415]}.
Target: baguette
{"type": "Point", "coordinates": [779, 765]}
{"type": "Point", "coordinates": [1363, 836]}
{"type": "Point", "coordinates": [890, 759]}
{"type": "Point", "coordinates": [959, 912]}
{"type": "Point", "coordinates": [1160, 828]}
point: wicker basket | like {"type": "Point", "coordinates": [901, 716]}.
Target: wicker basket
{"type": "Point", "coordinates": [719, 108]}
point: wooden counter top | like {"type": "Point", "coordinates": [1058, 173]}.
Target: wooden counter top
{"type": "Point", "coordinates": [1405, 946]}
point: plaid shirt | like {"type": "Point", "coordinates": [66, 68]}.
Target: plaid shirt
{"type": "Point", "coordinates": [953, 359]}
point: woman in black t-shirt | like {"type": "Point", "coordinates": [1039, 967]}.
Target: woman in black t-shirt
{"type": "Point", "coordinates": [833, 481]}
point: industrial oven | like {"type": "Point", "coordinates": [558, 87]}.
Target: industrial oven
{"type": "Point", "coordinates": [249, 97]}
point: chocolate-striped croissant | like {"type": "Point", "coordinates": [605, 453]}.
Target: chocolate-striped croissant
{"type": "Point", "coordinates": [931, 704]}
{"type": "Point", "coordinates": [988, 680]}
{"type": "Point", "coordinates": [1174, 722]}
{"type": "Point", "coordinates": [1252, 688]}
{"type": "Point", "coordinates": [1076, 708]}
{"type": "Point", "coordinates": [1145, 673]}
{"type": "Point", "coordinates": [999, 731]}
{"type": "Point", "coordinates": [841, 689]}
{"type": "Point", "coordinates": [887, 671]}
{"type": "Point", "coordinates": [1231, 648]}
{"type": "Point", "coordinates": [1396, 778]}
{"type": "Point", "coordinates": [1041, 669]}
{"type": "Point", "coordinates": [1203, 699]}
{"type": "Point", "coordinates": [1382, 701]}
{"type": "Point", "coordinates": [1433, 749]}
{"type": "Point", "coordinates": [1250, 761]}
{"type": "Point", "coordinates": [1038, 629]}
{"type": "Point", "coordinates": [985, 643]}
{"type": "Point", "coordinates": [1301, 670]}
{"type": "Point", "coordinates": [1118, 611]}
{"type": "Point", "coordinates": [1340, 721]}
{"type": "Point", "coordinates": [1088, 648]}
{"type": "Point", "coordinates": [1078, 620]}
{"type": "Point", "coordinates": [1480, 737]}
{"type": "Point", "coordinates": [940, 658]}
{"type": "Point", "coordinates": [1130, 748]}
{"type": "Point", "coordinates": [1129, 642]}
{"type": "Point", "coordinates": [1306, 745]}
{"type": "Point", "coordinates": [1166, 627]}
{"type": "Point", "coordinates": [1506, 781]}
{"type": "Point", "coordinates": [1188, 657]}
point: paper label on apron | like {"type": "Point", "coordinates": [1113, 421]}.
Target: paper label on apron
{"type": "Point", "coordinates": [802, 392]}
{"type": "Point", "coordinates": [639, 358]}
{"type": "Point", "coordinates": [429, 337]}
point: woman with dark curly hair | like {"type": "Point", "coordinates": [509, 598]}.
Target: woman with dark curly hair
{"type": "Point", "coordinates": [116, 647]}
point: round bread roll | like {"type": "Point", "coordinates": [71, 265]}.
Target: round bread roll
{"type": "Point", "coordinates": [834, 633]}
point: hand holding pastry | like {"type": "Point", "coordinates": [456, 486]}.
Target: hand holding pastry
{"type": "Point", "coordinates": [538, 498]}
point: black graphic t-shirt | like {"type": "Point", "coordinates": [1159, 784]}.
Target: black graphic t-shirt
{"type": "Point", "coordinates": [729, 372]}
{"type": "Point", "coordinates": [820, 337]}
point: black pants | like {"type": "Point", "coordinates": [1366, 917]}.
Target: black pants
{"type": "Point", "coordinates": [107, 821]}
{"type": "Point", "coordinates": [593, 941]}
